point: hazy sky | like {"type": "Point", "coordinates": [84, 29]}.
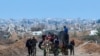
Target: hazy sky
{"type": "Point", "coordinates": [49, 9]}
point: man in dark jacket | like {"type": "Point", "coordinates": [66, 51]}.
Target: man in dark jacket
{"type": "Point", "coordinates": [56, 46]}
{"type": "Point", "coordinates": [31, 44]}
{"type": "Point", "coordinates": [34, 42]}
{"type": "Point", "coordinates": [56, 41]}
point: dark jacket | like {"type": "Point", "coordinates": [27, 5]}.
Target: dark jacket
{"type": "Point", "coordinates": [34, 41]}
{"type": "Point", "coordinates": [28, 43]}
{"type": "Point", "coordinates": [72, 42]}
{"type": "Point", "coordinates": [56, 42]}
{"type": "Point", "coordinates": [31, 42]}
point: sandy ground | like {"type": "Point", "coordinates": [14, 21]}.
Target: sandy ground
{"type": "Point", "coordinates": [19, 49]}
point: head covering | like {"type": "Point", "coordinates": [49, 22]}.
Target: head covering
{"type": "Point", "coordinates": [65, 29]}
{"type": "Point", "coordinates": [64, 26]}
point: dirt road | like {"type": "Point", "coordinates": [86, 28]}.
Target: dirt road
{"type": "Point", "coordinates": [19, 49]}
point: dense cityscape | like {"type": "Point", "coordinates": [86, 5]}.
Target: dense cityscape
{"type": "Point", "coordinates": [30, 25]}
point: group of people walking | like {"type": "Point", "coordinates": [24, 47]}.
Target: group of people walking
{"type": "Point", "coordinates": [51, 39]}
{"type": "Point", "coordinates": [31, 46]}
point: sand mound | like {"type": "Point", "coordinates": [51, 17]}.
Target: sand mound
{"type": "Point", "coordinates": [15, 49]}
{"type": "Point", "coordinates": [91, 48]}
{"type": "Point", "coordinates": [13, 36]}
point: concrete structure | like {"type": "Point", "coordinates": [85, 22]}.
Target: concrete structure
{"type": "Point", "coordinates": [37, 33]}
{"type": "Point", "coordinates": [93, 32]}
